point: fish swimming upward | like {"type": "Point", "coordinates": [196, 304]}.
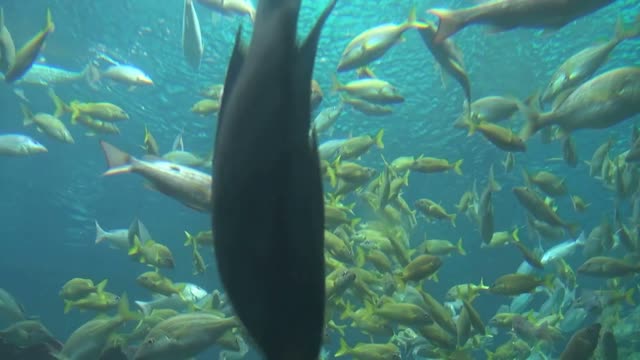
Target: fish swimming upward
{"type": "Point", "coordinates": [268, 211]}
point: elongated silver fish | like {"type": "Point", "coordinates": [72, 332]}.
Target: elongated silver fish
{"type": "Point", "coordinates": [563, 249]}
{"type": "Point", "coordinates": [191, 35]}
{"type": "Point", "coordinates": [46, 75]}
{"type": "Point", "coordinates": [189, 186]}
{"type": "Point", "coordinates": [19, 145]}
{"type": "Point", "coordinates": [268, 175]}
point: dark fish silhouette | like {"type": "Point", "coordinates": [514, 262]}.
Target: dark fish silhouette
{"type": "Point", "coordinates": [268, 209]}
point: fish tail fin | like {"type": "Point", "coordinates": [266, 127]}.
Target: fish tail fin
{"type": "Point", "coordinates": [118, 161]}
{"type": "Point", "coordinates": [449, 24]}
{"type": "Point", "coordinates": [532, 115]}
{"type": "Point", "coordinates": [515, 235]}
{"type": "Point", "coordinates": [628, 296]}
{"type": "Point", "coordinates": [548, 281]}
{"type": "Point", "coordinates": [28, 115]}
{"type": "Point", "coordinates": [412, 20]}
{"type": "Point", "coordinates": [457, 167]}
{"type": "Point", "coordinates": [101, 286]}
{"type": "Point", "coordinates": [137, 246]}
{"type": "Point", "coordinates": [68, 305]}
{"type": "Point", "coordinates": [101, 235]}
{"type": "Point", "coordinates": [144, 307]}
{"type": "Point", "coordinates": [460, 249]}
{"type": "Point", "coordinates": [344, 348]}
{"type": "Point", "coordinates": [582, 239]}
{"type": "Point", "coordinates": [123, 310]}
{"type": "Point", "coordinates": [61, 107]}
{"type": "Point", "coordinates": [452, 218]}
{"type": "Point", "coordinates": [189, 239]}
{"type": "Point", "coordinates": [91, 75]}
{"type": "Point", "coordinates": [50, 27]}
{"type": "Point", "coordinates": [378, 139]}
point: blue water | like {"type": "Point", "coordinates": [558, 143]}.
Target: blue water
{"type": "Point", "coordinates": [48, 202]}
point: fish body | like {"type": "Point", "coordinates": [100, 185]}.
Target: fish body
{"type": "Point", "coordinates": [183, 336]}
{"type": "Point", "coordinates": [9, 307]}
{"type": "Point", "coordinates": [540, 209]}
{"type": "Point", "coordinates": [48, 124]}
{"type": "Point", "coordinates": [599, 103]}
{"type": "Point", "coordinates": [19, 145]}
{"type": "Point", "coordinates": [582, 344]}
{"type": "Point", "coordinates": [191, 35]}
{"type": "Point", "coordinates": [505, 15]}
{"type": "Point", "coordinates": [229, 7]}
{"type": "Point", "coordinates": [328, 149]}
{"type": "Point", "coordinates": [449, 56]}
{"type": "Point", "coordinates": [127, 74]}
{"type": "Point", "coordinates": [603, 266]}
{"type": "Point", "coordinates": [582, 65]}
{"type": "Point", "coordinates": [563, 250]}
{"type": "Point", "coordinates": [117, 239]}
{"type": "Point", "coordinates": [268, 175]}
{"type": "Point", "coordinates": [7, 47]}
{"type": "Point", "coordinates": [372, 90]}
{"type": "Point", "coordinates": [27, 54]}
{"type": "Point", "coordinates": [189, 186]}
{"type": "Point", "coordinates": [373, 43]}
{"type": "Point", "coordinates": [326, 119]}
{"type": "Point", "coordinates": [48, 75]}
{"type": "Point", "coordinates": [191, 294]}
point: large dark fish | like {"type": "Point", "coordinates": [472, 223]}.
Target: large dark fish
{"type": "Point", "coordinates": [510, 14]}
{"type": "Point", "coordinates": [268, 209]}
{"type": "Point", "coordinates": [582, 344]}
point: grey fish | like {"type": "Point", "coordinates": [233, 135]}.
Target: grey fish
{"type": "Point", "coordinates": [505, 15]}
{"type": "Point", "coordinates": [268, 175]}
{"type": "Point", "coordinates": [19, 145]}
{"type": "Point", "coordinates": [191, 295]}
{"type": "Point", "coordinates": [117, 238]}
{"type": "Point", "coordinates": [46, 75]}
{"type": "Point", "coordinates": [183, 336]}
{"type": "Point", "coordinates": [582, 65]}
{"type": "Point", "coordinates": [9, 307]}
{"type": "Point", "coordinates": [449, 56]}
{"type": "Point", "coordinates": [189, 186]}
{"type": "Point", "coordinates": [599, 103]}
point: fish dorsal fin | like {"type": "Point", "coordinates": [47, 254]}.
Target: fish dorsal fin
{"type": "Point", "coordinates": [304, 65]}
{"type": "Point", "coordinates": [235, 64]}
{"type": "Point", "coordinates": [178, 143]}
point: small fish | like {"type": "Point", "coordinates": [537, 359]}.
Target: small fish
{"type": "Point", "coordinates": [10, 309]}
{"type": "Point", "coordinates": [89, 340]}
{"type": "Point", "coordinates": [191, 35]}
{"type": "Point", "coordinates": [374, 43]}
{"type": "Point", "coordinates": [78, 288]}
{"type": "Point", "coordinates": [183, 336]}
{"type": "Point", "coordinates": [127, 75]}
{"type": "Point", "coordinates": [48, 124]}
{"type": "Point", "coordinates": [7, 47]}
{"type": "Point", "coordinates": [19, 145]}
{"type": "Point", "coordinates": [563, 250]}
{"type": "Point", "coordinates": [28, 53]}
{"type": "Point", "coordinates": [191, 295]}
{"type": "Point", "coordinates": [326, 118]}
{"type": "Point", "coordinates": [601, 102]}
{"type": "Point", "coordinates": [189, 186]}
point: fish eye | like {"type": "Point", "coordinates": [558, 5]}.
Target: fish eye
{"type": "Point", "coordinates": [151, 341]}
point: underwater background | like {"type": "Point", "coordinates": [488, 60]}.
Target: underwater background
{"type": "Point", "coordinates": [48, 203]}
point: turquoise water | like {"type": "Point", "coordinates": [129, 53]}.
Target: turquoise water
{"type": "Point", "coordinates": [49, 202]}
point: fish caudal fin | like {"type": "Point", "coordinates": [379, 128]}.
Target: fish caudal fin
{"type": "Point", "coordinates": [100, 233]}
{"type": "Point", "coordinates": [119, 162]}
{"type": "Point", "coordinates": [449, 24]}
{"type": "Point", "coordinates": [28, 115]}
